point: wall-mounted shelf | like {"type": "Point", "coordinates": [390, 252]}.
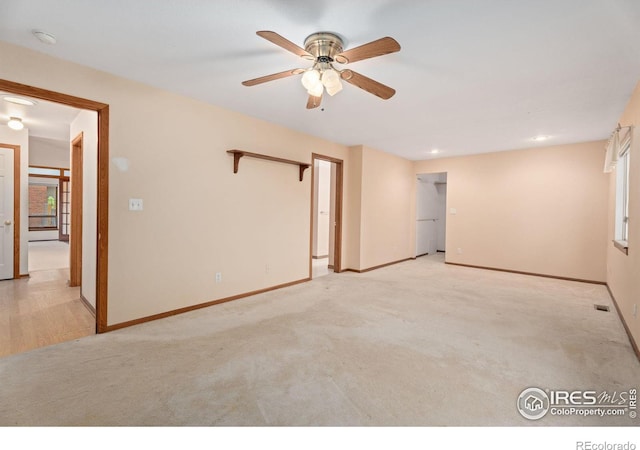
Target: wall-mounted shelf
{"type": "Point", "coordinates": [237, 154]}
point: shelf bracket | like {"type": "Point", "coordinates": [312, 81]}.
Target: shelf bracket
{"type": "Point", "coordinates": [303, 167]}
{"type": "Point", "coordinates": [236, 161]}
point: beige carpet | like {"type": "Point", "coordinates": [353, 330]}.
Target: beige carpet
{"type": "Point", "coordinates": [418, 343]}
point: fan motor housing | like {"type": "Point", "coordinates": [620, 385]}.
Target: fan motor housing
{"type": "Point", "coordinates": [324, 46]}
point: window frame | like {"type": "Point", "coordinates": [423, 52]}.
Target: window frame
{"type": "Point", "coordinates": [43, 216]}
{"type": "Point", "coordinates": [59, 173]}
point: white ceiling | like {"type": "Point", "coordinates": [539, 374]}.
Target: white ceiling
{"type": "Point", "coordinates": [472, 76]}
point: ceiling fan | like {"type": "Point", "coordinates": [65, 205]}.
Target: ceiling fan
{"type": "Point", "coordinates": [325, 49]}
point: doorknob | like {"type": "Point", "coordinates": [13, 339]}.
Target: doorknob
{"type": "Point", "coordinates": [7, 222]}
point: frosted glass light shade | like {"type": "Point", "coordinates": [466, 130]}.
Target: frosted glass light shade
{"type": "Point", "coordinates": [15, 123]}
{"type": "Point", "coordinates": [316, 90]}
{"type": "Point", "coordinates": [333, 90]}
{"type": "Point", "coordinates": [330, 78]}
{"type": "Point", "coordinates": [310, 79]}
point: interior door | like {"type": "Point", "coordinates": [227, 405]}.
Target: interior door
{"type": "Point", "coordinates": [6, 213]}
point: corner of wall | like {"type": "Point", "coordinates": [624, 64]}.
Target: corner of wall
{"type": "Point", "coordinates": [622, 269]}
{"type": "Point", "coordinates": [354, 212]}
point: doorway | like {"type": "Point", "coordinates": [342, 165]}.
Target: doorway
{"type": "Point", "coordinates": [101, 111]}
{"type": "Point", "coordinates": [48, 201]}
{"type": "Point", "coordinates": [326, 215]}
{"type": "Point", "coordinates": [431, 213]}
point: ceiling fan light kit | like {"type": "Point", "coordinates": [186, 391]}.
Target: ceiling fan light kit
{"type": "Point", "coordinates": [315, 79]}
{"type": "Point", "coordinates": [325, 49]}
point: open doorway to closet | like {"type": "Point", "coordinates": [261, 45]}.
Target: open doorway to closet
{"type": "Point", "coordinates": [326, 215]}
{"type": "Point", "coordinates": [431, 213]}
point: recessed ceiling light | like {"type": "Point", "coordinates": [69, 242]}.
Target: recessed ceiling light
{"type": "Point", "coordinates": [18, 100]}
{"type": "Point", "coordinates": [435, 151]}
{"type": "Point", "coordinates": [43, 37]}
{"type": "Point", "coordinates": [540, 138]}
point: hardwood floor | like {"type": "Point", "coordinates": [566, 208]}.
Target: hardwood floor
{"type": "Point", "coordinates": [41, 310]}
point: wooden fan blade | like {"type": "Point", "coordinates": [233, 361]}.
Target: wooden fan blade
{"type": "Point", "coordinates": [286, 44]}
{"type": "Point", "coordinates": [382, 46]}
{"type": "Point", "coordinates": [313, 102]}
{"type": "Point", "coordinates": [273, 76]}
{"type": "Point", "coordinates": [366, 83]}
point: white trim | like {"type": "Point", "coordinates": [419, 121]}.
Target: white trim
{"type": "Point", "coordinates": [611, 157]}
{"type": "Point", "coordinates": [625, 142]}
{"type": "Point", "coordinates": [617, 147]}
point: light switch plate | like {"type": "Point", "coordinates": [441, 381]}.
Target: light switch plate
{"type": "Point", "coordinates": [135, 204]}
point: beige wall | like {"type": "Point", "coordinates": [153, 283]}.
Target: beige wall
{"type": "Point", "coordinates": [539, 210]}
{"type": "Point", "coordinates": [199, 218]}
{"type": "Point", "coordinates": [48, 152]}
{"type": "Point", "coordinates": [87, 123]}
{"type": "Point", "coordinates": [352, 216]}
{"type": "Point", "coordinates": [623, 270]}
{"type": "Point", "coordinates": [387, 205]}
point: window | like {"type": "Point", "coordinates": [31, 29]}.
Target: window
{"type": "Point", "coordinates": [48, 199]}
{"type": "Point", "coordinates": [43, 206]}
{"type": "Point", "coordinates": [48, 171]}
{"type": "Point", "coordinates": [622, 194]}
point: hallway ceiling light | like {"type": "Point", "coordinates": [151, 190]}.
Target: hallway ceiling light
{"type": "Point", "coordinates": [540, 138]}
{"type": "Point", "coordinates": [45, 38]}
{"type": "Point", "coordinates": [18, 100]}
{"type": "Point", "coordinates": [15, 123]}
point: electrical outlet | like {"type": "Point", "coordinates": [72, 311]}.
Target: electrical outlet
{"type": "Point", "coordinates": [218, 277]}
{"type": "Point", "coordinates": [635, 310]}
{"type": "Point", "coordinates": [267, 269]}
{"type": "Point", "coordinates": [459, 251]}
